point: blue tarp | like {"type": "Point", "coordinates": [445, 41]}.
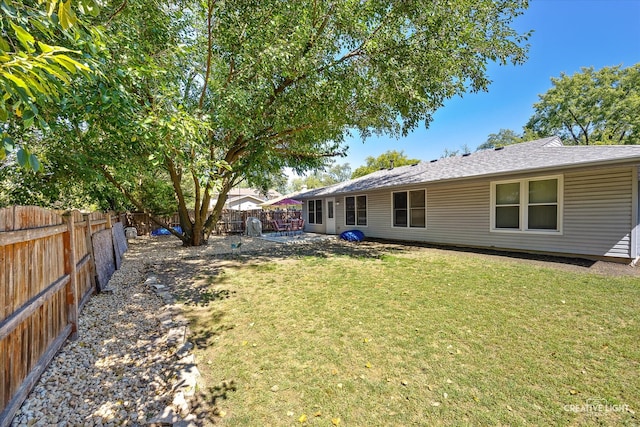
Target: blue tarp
{"type": "Point", "coordinates": [165, 232]}
{"type": "Point", "coordinates": [352, 235]}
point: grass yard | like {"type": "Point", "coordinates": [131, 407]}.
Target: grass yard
{"type": "Point", "coordinates": [419, 337]}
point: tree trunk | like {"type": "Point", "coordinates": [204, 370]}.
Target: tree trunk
{"type": "Point", "coordinates": [193, 228]}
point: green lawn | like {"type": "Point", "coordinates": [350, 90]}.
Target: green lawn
{"type": "Point", "coordinates": [419, 337]}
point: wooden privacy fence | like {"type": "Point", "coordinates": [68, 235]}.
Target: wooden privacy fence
{"type": "Point", "coordinates": [50, 265]}
{"type": "Point", "coordinates": [231, 220]}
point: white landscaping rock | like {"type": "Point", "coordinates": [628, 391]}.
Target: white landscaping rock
{"type": "Point", "coordinates": [120, 370]}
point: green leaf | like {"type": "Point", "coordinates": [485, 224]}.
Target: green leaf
{"type": "Point", "coordinates": [34, 163]}
{"type": "Point", "coordinates": [23, 157]}
{"type": "Point", "coordinates": [66, 62]}
{"type": "Point", "coordinates": [28, 115]}
{"type": "Point", "coordinates": [7, 144]}
{"type": "Point", "coordinates": [64, 59]}
{"type": "Point", "coordinates": [45, 48]}
{"type": "Point", "coordinates": [19, 82]}
{"type": "Point", "coordinates": [66, 15]}
{"type": "Point", "coordinates": [89, 7]}
{"type": "Point", "coordinates": [51, 6]}
{"type": "Point", "coordinates": [4, 46]}
{"type": "Point", "coordinates": [26, 39]}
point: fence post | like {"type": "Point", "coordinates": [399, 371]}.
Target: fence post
{"type": "Point", "coordinates": [108, 215]}
{"type": "Point", "coordinates": [70, 263]}
{"type": "Point", "coordinates": [92, 260]}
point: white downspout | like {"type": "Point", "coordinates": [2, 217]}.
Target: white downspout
{"type": "Point", "coordinates": [635, 218]}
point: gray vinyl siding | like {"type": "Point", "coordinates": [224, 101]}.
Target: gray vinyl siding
{"type": "Point", "coordinates": [597, 215]}
{"type": "Point", "coordinates": [598, 212]}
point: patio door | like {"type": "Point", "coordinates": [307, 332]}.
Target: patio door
{"type": "Point", "coordinates": [331, 216]}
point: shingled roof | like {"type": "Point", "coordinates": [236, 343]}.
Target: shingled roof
{"type": "Point", "coordinates": [534, 156]}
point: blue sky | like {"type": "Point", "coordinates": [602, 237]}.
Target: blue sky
{"type": "Point", "coordinates": [568, 35]}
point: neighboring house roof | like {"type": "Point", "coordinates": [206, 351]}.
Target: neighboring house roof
{"type": "Point", "coordinates": [236, 195]}
{"type": "Point", "coordinates": [533, 156]}
{"type": "Point", "coordinates": [237, 192]}
{"type": "Point", "coordinates": [245, 199]}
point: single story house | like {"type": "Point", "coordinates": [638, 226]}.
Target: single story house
{"type": "Point", "coordinates": [538, 196]}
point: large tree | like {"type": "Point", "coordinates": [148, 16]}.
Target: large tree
{"type": "Point", "coordinates": [211, 93]}
{"type": "Point", "coordinates": [500, 139]}
{"type": "Point", "coordinates": [385, 160]}
{"type": "Point", "coordinates": [591, 107]}
{"type": "Point", "coordinates": [331, 174]}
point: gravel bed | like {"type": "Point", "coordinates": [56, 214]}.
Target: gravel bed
{"type": "Point", "coordinates": [118, 372]}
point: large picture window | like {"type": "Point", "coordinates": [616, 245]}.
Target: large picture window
{"type": "Point", "coordinates": [355, 210]}
{"type": "Point", "coordinates": [315, 211]}
{"type": "Point", "coordinates": [410, 209]}
{"type": "Point", "coordinates": [527, 205]}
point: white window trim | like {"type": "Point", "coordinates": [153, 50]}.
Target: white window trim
{"type": "Point", "coordinates": [524, 204]}
{"type": "Point", "coordinates": [408, 226]}
{"type": "Point", "coordinates": [355, 197]}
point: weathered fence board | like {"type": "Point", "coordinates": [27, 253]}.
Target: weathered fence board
{"type": "Point", "coordinates": [119, 242]}
{"type": "Point", "coordinates": [104, 257]}
{"type": "Point", "coordinates": [47, 273]}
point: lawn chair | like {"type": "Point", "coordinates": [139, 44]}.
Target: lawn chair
{"type": "Point", "coordinates": [296, 225]}
{"type": "Point", "coordinates": [293, 226]}
{"type": "Point", "coordinates": [279, 227]}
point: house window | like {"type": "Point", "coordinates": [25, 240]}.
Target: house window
{"type": "Point", "coordinates": [543, 205]}
{"type": "Point", "coordinates": [508, 205]}
{"type": "Point", "coordinates": [315, 211]}
{"type": "Point", "coordinates": [318, 211]}
{"type": "Point", "coordinates": [355, 210]}
{"type": "Point", "coordinates": [311, 211]}
{"type": "Point", "coordinates": [527, 205]}
{"type": "Point", "coordinates": [410, 209]}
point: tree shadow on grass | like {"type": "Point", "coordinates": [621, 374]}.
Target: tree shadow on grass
{"type": "Point", "coordinates": [206, 326]}
{"type": "Point", "coordinates": [201, 295]}
{"type": "Point", "coordinates": [204, 405]}
{"type": "Point", "coordinates": [206, 335]}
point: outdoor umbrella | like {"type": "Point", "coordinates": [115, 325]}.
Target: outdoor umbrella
{"type": "Point", "coordinates": [286, 202]}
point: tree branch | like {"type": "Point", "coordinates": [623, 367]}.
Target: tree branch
{"type": "Point", "coordinates": [584, 131]}
{"type": "Point", "coordinates": [105, 172]}
{"type": "Point", "coordinates": [319, 31]}
{"type": "Point", "coordinates": [117, 12]}
{"type": "Point", "coordinates": [573, 135]}
{"type": "Point", "coordinates": [210, 6]}
{"type": "Point", "coordinates": [286, 132]}
{"type": "Point", "coordinates": [183, 213]}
